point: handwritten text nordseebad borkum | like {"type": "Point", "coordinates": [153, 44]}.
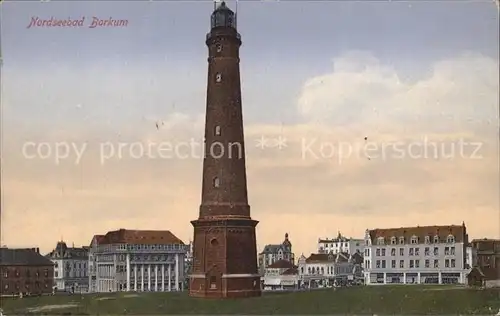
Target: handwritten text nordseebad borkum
{"type": "Point", "coordinates": [93, 22]}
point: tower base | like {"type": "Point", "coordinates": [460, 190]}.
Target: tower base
{"type": "Point", "coordinates": [232, 286]}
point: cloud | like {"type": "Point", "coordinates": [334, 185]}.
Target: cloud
{"type": "Point", "coordinates": [431, 156]}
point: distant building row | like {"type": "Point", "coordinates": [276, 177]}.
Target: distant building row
{"type": "Point", "coordinates": [122, 260]}
{"type": "Point", "coordinates": [407, 255]}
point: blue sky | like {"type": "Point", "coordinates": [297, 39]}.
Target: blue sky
{"type": "Point", "coordinates": [308, 35]}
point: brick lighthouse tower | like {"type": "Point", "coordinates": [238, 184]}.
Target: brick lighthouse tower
{"type": "Point", "coordinates": [225, 251]}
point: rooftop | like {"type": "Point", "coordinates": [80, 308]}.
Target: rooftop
{"type": "Point", "coordinates": [442, 232]}
{"type": "Point", "coordinates": [139, 237]}
{"type": "Point", "coordinates": [22, 257]}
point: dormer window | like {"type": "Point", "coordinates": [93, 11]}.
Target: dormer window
{"type": "Point", "coordinates": [380, 241]}
{"type": "Point", "coordinates": [450, 239]}
{"type": "Point", "coordinates": [401, 240]}
{"type": "Point", "coordinates": [427, 240]}
{"type": "Point", "coordinates": [393, 240]}
{"type": "Point", "coordinates": [218, 77]}
{"type": "Point", "coordinates": [414, 240]}
{"type": "Point", "coordinates": [218, 48]}
{"type": "Point", "coordinates": [436, 239]}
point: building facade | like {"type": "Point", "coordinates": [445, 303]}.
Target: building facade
{"type": "Point", "coordinates": [487, 252]}
{"type": "Point", "coordinates": [341, 244]}
{"type": "Point", "coordinates": [273, 253]}
{"type": "Point", "coordinates": [281, 275]}
{"type": "Point", "coordinates": [471, 260]}
{"type": "Point", "coordinates": [136, 260]}
{"type": "Point", "coordinates": [225, 246]}
{"type": "Point", "coordinates": [25, 271]}
{"type": "Point", "coordinates": [326, 270]}
{"type": "Point", "coordinates": [70, 268]}
{"type": "Point", "coordinates": [414, 255]}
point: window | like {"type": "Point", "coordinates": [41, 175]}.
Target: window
{"type": "Point", "coordinates": [378, 264]}
{"type": "Point", "coordinates": [214, 242]}
{"type": "Point", "coordinates": [447, 251]}
{"type": "Point", "coordinates": [411, 252]}
{"type": "Point", "coordinates": [453, 263]}
{"type": "Point", "coordinates": [436, 263]}
{"type": "Point", "coordinates": [450, 239]}
{"type": "Point", "coordinates": [380, 241]}
{"type": "Point", "coordinates": [447, 263]}
{"type": "Point", "coordinates": [436, 239]}
{"type": "Point", "coordinates": [417, 263]}
{"type": "Point", "coordinates": [217, 130]}
{"type": "Point", "coordinates": [417, 251]}
{"type": "Point", "coordinates": [216, 182]}
{"type": "Point", "coordinates": [383, 264]}
{"type": "Point", "coordinates": [452, 251]}
{"type": "Point", "coordinates": [378, 251]}
{"type": "Point", "coordinates": [414, 240]}
{"type": "Point", "coordinates": [218, 48]}
{"type": "Point", "coordinates": [393, 240]}
{"type": "Point", "coordinates": [401, 263]}
{"type": "Point", "coordinates": [218, 77]}
{"type": "Point", "coordinates": [426, 251]}
{"type": "Point", "coordinates": [393, 252]}
{"type": "Point", "coordinates": [427, 239]}
{"type": "Point", "coordinates": [427, 263]}
{"type": "Point", "coordinates": [383, 252]}
{"type": "Point", "coordinates": [401, 240]}
{"type": "Point", "coordinates": [393, 264]}
{"type": "Point", "coordinates": [436, 251]}
{"type": "Point", "coordinates": [6, 274]}
{"type": "Point", "coordinates": [401, 251]}
{"type": "Point", "coordinates": [412, 264]}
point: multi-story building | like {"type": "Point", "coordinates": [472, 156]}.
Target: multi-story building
{"type": "Point", "coordinates": [341, 244]}
{"type": "Point", "coordinates": [137, 260]}
{"type": "Point", "coordinates": [188, 263]}
{"type": "Point", "coordinates": [70, 268]}
{"type": "Point", "coordinates": [92, 262]}
{"type": "Point", "coordinates": [411, 255]}
{"type": "Point", "coordinates": [273, 253]}
{"type": "Point", "coordinates": [321, 269]}
{"type": "Point", "coordinates": [487, 252]}
{"type": "Point", "coordinates": [25, 271]}
{"type": "Point", "coordinates": [471, 260]}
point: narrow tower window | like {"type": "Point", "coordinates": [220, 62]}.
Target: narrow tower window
{"type": "Point", "coordinates": [218, 47]}
{"type": "Point", "coordinates": [216, 182]}
{"type": "Point", "coordinates": [217, 130]}
{"type": "Point", "coordinates": [218, 77]}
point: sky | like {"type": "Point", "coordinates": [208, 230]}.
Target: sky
{"type": "Point", "coordinates": [418, 80]}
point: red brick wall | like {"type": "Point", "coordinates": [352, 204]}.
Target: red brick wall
{"type": "Point", "coordinates": [26, 279]}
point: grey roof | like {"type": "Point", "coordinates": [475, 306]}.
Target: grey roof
{"type": "Point", "coordinates": [22, 257]}
{"type": "Point", "coordinates": [64, 252]}
{"type": "Point", "coordinates": [275, 249]}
